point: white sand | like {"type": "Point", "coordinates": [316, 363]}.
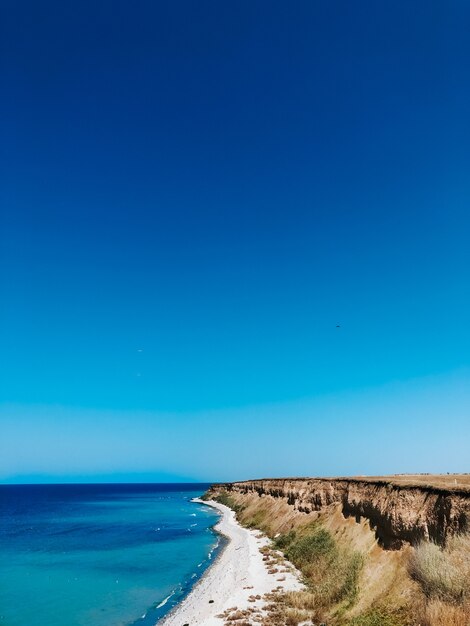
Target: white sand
{"type": "Point", "coordinates": [239, 565]}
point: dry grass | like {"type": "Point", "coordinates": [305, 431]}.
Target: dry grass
{"type": "Point", "coordinates": [235, 616]}
{"type": "Point", "coordinates": [266, 514]}
{"type": "Point", "coordinates": [438, 613]}
{"type": "Point", "coordinates": [444, 573]}
{"type": "Point", "coordinates": [444, 576]}
{"type": "Point", "coordinates": [457, 482]}
{"type": "Point", "coordinates": [302, 600]}
{"type": "Point", "coordinates": [444, 482]}
{"type": "Point", "coordinates": [296, 616]}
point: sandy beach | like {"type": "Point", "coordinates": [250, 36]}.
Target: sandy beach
{"type": "Point", "coordinates": [238, 575]}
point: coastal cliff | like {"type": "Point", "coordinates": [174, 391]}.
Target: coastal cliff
{"type": "Point", "coordinates": [398, 511]}
{"type": "Point", "coordinates": [391, 551]}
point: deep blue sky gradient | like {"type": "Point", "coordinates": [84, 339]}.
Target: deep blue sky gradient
{"type": "Point", "coordinates": [194, 195]}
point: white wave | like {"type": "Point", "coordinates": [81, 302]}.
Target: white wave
{"type": "Point", "coordinates": [163, 602]}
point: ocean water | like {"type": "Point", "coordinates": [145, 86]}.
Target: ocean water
{"type": "Point", "coordinates": [100, 555]}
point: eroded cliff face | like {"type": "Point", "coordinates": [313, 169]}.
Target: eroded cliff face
{"type": "Point", "coordinates": [397, 513]}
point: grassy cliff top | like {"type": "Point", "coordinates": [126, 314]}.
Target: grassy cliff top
{"type": "Point", "coordinates": [442, 482]}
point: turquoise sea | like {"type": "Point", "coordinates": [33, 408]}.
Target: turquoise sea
{"type": "Point", "coordinates": [100, 555]}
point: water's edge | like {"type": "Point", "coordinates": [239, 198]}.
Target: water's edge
{"type": "Point", "coordinates": [156, 614]}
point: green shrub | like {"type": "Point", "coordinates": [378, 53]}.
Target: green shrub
{"type": "Point", "coordinates": [376, 617]}
{"type": "Point", "coordinates": [228, 500]}
{"type": "Point", "coordinates": [256, 520]}
{"type": "Point", "coordinates": [310, 548]}
{"type": "Point", "coordinates": [350, 587]}
{"type": "Point", "coordinates": [331, 573]}
{"type": "Point", "coordinates": [284, 541]}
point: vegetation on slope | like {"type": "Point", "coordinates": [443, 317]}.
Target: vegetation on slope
{"type": "Point", "coordinates": [331, 573]}
{"type": "Point", "coordinates": [434, 590]}
{"type": "Point", "coordinates": [377, 617]}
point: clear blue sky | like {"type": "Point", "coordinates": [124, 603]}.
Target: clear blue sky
{"type": "Point", "coordinates": [194, 195]}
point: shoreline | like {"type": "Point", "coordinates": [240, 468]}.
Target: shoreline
{"type": "Point", "coordinates": [238, 579]}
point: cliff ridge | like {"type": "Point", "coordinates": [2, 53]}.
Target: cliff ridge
{"type": "Point", "coordinates": [399, 509]}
